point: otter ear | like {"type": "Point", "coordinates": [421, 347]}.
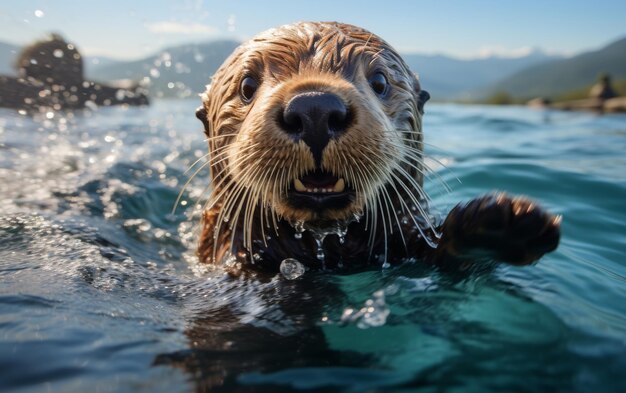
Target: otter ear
{"type": "Point", "coordinates": [423, 97]}
{"type": "Point", "coordinates": [201, 115]}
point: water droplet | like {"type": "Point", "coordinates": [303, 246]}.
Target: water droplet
{"type": "Point", "coordinates": [39, 13]}
{"type": "Point", "coordinates": [299, 226]}
{"type": "Point", "coordinates": [154, 73]}
{"type": "Point", "coordinates": [256, 257]}
{"type": "Point", "coordinates": [225, 219]}
{"type": "Point", "coordinates": [58, 53]}
{"type": "Point", "coordinates": [373, 313]}
{"type": "Point", "coordinates": [120, 95]}
{"type": "Point", "coordinates": [291, 268]}
{"type": "Point", "coordinates": [229, 260]}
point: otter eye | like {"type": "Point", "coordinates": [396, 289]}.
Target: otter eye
{"type": "Point", "coordinates": [248, 87]}
{"type": "Point", "coordinates": [379, 83]}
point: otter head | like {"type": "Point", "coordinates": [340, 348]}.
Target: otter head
{"type": "Point", "coordinates": [52, 60]}
{"type": "Point", "coordinates": [314, 123]}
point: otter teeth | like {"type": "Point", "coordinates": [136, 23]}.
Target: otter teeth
{"type": "Point", "coordinates": [339, 186]}
{"type": "Point", "coordinates": [299, 186]}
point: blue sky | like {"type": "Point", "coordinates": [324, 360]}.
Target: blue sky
{"type": "Point", "coordinates": [133, 29]}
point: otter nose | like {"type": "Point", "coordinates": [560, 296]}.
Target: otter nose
{"type": "Point", "coordinates": [315, 117]}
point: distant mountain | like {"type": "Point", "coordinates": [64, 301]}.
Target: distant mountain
{"type": "Point", "coordinates": [8, 52]}
{"type": "Point", "coordinates": [449, 78]}
{"type": "Point", "coordinates": [563, 75]}
{"type": "Point", "coordinates": [185, 70]}
{"type": "Point", "coordinates": [179, 71]}
{"type": "Point", "coordinates": [173, 72]}
{"type": "Point", "coordinates": [94, 63]}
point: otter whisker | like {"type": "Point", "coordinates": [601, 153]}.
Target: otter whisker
{"type": "Point", "coordinates": [214, 137]}
{"type": "Point", "coordinates": [220, 188]}
{"type": "Point", "coordinates": [230, 203]}
{"type": "Point", "coordinates": [384, 229]}
{"type": "Point", "coordinates": [368, 191]}
{"type": "Point", "coordinates": [180, 194]}
{"type": "Point", "coordinates": [254, 198]}
{"type": "Point", "coordinates": [212, 185]}
{"type": "Point", "coordinates": [368, 40]}
{"type": "Point", "coordinates": [416, 185]}
{"type": "Point", "coordinates": [251, 200]}
{"type": "Point", "coordinates": [426, 173]}
{"type": "Point", "coordinates": [395, 215]}
{"type": "Point", "coordinates": [263, 216]}
{"type": "Point", "coordinates": [223, 154]}
{"type": "Point", "coordinates": [182, 191]}
{"type": "Point", "coordinates": [249, 174]}
{"type": "Point", "coordinates": [423, 154]}
{"type": "Point", "coordinates": [418, 205]}
{"type": "Point", "coordinates": [273, 180]}
{"type": "Point", "coordinates": [216, 186]}
{"type": "Point", "coordinates": [204, 156]}
{"type": "Point", "coordinates": [425, 170]}
{"type": "Point", "coordinates": [356, 178]}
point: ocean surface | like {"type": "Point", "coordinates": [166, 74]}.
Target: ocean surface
{"type": "Point", "coordinates": [100, 289]}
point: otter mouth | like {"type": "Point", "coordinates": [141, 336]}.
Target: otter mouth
{"type": "Point", "coordinates": [320, 190]}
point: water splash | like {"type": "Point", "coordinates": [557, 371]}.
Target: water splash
{"type": "Point", "coordinates": [299, 226]}
{"type": "Point", "coordinates": [291, 268]}
{"type": "Point", "coordinates": [339, 228]}
{"type": "Point", "coordinates": [374, 312]}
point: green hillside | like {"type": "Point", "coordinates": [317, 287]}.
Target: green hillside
{"type": "Point", "coordinates": [559, 76]}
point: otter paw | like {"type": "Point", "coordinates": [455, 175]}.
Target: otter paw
{"type": "Point", "coordinates": [510, 229]}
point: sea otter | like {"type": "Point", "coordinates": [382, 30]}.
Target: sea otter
{"type": "Point", "coordinates": [316, 153]}
{"type": "Point", "coordinates": [51, 76]}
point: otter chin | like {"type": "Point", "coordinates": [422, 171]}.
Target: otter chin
{"type": "Point", "coordinates": [316, 153]}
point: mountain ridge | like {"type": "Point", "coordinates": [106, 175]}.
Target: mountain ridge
{"type": "Point", "coordinates": [184, 70]}
{"type": "Point", "coordinates": [562, 75]}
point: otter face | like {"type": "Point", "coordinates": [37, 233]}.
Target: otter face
{"type": "Point", "coordinates": [314, 122]}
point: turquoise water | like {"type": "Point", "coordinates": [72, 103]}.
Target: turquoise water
{"type": "Point", "coordinates": [100, 290]}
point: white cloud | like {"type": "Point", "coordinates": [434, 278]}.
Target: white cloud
{"type": "Point", "coordinates": [180, 28]}
{"type": "Point", "coordinates": [501, 51]}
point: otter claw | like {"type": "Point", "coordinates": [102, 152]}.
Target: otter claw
{"type": "Point", "coordinates": [509, 229]}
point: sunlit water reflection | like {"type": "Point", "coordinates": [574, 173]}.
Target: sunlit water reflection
{"type": "Point", "coordinates": [100, 288]}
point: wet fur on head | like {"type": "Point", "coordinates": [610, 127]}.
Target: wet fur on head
{"type": "Point", "coordinates": [254, 163]}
